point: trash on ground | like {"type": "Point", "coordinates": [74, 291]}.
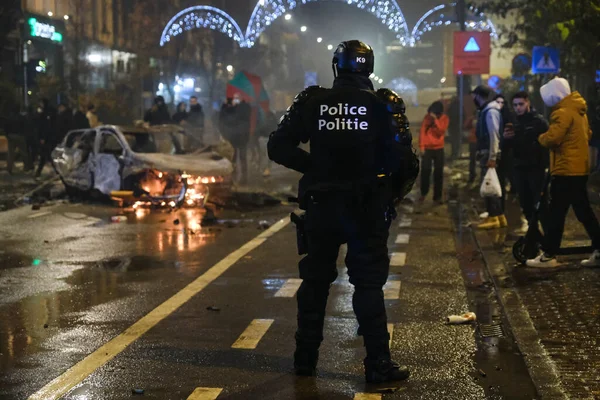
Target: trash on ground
{"type": "Point", "coordinates": [118, 218]}
{"type": "Point", "coordinates": [264, 224]}
{"type": "Point", "coordinates": [213, 308]}
{"type": "Point", "coordinates": [137, 391]}
{"type": "Point", "coordinates": [461, 319]}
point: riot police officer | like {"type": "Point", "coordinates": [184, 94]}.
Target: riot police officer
{"type": "Point", "coordinates": [360, 161]}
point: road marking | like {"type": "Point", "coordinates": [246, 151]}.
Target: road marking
{"type": "Point", "coordinates": [391, 332]}
{"type": "Point", "coordinates": [254, 332]}
{"type": "Point", "coordinates": [402, 238]}
{"type": "Point", "coordinates": [205, 393]}
{"type": "Point", "coordinates": [367, 396]}
{"type": "Point", "coordinates": [77, 373]}
{"type": "Point", "coordinates": [405, 223]}
{"type": "Point", "coordinates": [289, 288]}
{"type": "Point", "coordinates": [391, 290]}
{"type": "Point", "coordinates": [38, 215]}
{"type": "Point", "coordinates": [398, 259]}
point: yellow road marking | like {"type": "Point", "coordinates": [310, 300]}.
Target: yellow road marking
{"type": "Point", "coordinates": [402, 238]}
{"type": "Point", "coordinates": [205, 393]}
{"type": "Point", "coordinates": [398, 259]}
{"type": "Point", "coordinates": [391, 290]}
{"type": "Point", "coordinates": [391, 332]}
{"type": "Point", "coordinates": [367, 396]}
{"type": "Point", "coordinates": [254, 332]}
{"type": "Point", "coordinates": [77, 373]}
{"type": "Point", "coordinates": [289, 288]}
{"type": "Point", "coordinates": [40, 214]}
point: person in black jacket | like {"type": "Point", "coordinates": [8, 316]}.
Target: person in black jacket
{"type": "Point", "coordinates": [64, 122]}
{"type": "Point", "coordinates": [80, 121]}
{"type": "Point", "coordinates": [181, 115]}
{"type": "Point", "coordinates": [357, 138]}
{"type": "Point", "coordinates": [530, 159]}
{"type": "Point", "coordinates": [46, 121]}
{"type": "Point", "coordinates": [159, 113]}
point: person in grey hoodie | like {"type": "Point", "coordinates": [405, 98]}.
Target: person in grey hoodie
{"type": "Point", "coordinates": [489, 128]}
{"type": "Point", "coordinates": [568, 140]}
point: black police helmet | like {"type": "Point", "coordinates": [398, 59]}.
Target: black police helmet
{"type": "Point", "coordinates": [353, 57]}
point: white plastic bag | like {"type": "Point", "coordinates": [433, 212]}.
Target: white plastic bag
{"type": "Point", "coordinates": [490, 187]}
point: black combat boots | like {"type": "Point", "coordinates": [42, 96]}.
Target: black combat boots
{"type": "Point", "coordinates": [385, 370]}
{"type": "Point", "coordinates": [305, 361]}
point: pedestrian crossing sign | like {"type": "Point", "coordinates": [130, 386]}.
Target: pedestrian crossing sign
{"type": "Point", "coordinates": [545, 60]}
{"type": "Point", "coordinates": [472, 46]}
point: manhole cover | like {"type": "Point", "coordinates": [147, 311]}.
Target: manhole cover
{"type": "Point", "coordinates": [495, 330]}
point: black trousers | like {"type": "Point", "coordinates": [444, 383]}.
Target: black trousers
{"type": "Point", "coordinates": [529, 182]}
{"type": "Point", "coordinates": [435, 157]}
{"type": "Point", "coordinates": [567, 191]}
{"type": "Point", "coordinates": [332, 220]}
{"type": "Point", "coordinates": [45, 156]}
{"type": "Point", "coordinates": [18, 143]}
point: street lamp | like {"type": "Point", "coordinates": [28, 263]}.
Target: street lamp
{"type": "Point", "coordinates": [319, 40]}
{"type": "Point", "coordinates": [303, 29]}
{"type": "Point", "coordinates": [229, 68]}
{"type": "Point", "coordinates": [288, 17]}
{"type": "Point", "coordinates": [66, 17]}
{"type": "Point", "coordinates": [330, 47]}
{"type": "Point", "coordinates": [380, 80]}
{"type": "Point", "coordinates": [50, 13]}
{"type": "Point", "coordinates": [443, 80]}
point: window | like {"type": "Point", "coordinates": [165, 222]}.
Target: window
{"type": "Point", "coordinates": [110, 144]}
{"type": "Point", "coordinates": [120, 66]}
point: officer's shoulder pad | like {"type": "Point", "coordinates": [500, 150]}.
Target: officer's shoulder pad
{"type": "Point", "coordinates": [308, 92]}
{"type": "Point", "coordinates": [392, 100]}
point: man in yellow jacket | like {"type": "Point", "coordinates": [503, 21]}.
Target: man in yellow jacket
{"type": "Point", "coordinates": [567, 139]}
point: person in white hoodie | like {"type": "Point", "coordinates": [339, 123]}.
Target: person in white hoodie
{"type": "Point", "coordinates": [489, 128]}
{"type": "Point", "coordinates": [567, 138]}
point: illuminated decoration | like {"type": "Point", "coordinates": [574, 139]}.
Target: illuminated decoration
{"type": "Point", "coordinates": [43, 30]}
{"type": "Point", "coordinates": [266, 12]}
{"type": "Point", "coordinates": [405, 88]}
{"type": "Point", "coordinates": [202, 17]}
{"type": "Point", "coordinates": [41, 67]}
{"type": "Point", "coordinates": [444, 15]}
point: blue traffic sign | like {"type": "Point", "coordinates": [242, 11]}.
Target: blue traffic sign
{"type": "Point", "coordinates": [545, 60]}
{"type": "Point", "coordinates": [472, 46]}
{"type": "Point", "coordinates": [598, 76]}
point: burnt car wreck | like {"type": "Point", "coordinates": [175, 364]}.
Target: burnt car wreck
{"type": "Point", "coordinates": [156, 166]}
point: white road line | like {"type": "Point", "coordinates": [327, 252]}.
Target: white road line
{"type": "Point", "coordinates": [254, 332]}
{"type": "Point", "coordinates": [40, 214]}
{"type": "Point", "coordinates": [402, 238]}
{"type": "Point", "coordinates": [391, 290]}
{"type": "Point", "coordinates": [367, 396]}
{"type": "Point", "coordinates": [405, 223]}
{"type": "Point", "coordinates": [289, 288]}
{"type": "Point", "coordinates": [205, 393]}
{"type": "Point", "coordinates": [398, 259]}
{"type": "Point", "coordinates": [391, 332]}
{"type": "Point", "coordinates": [77, 373]}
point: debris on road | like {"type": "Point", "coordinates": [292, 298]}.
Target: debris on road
{"type": "Point", "coordinates": [461, 319]}
{"type": "Point", "coordinates": [482, 373]}
{"type": "Point", "coordinates": [213, 308]}
{"type": "Point", "coordinates": [118, 218]}
{"type": "Point", "coordinates": [176, 222]}
{"type": "Point", "coordinates": [264, 225]}
{"type": "Point", "coordinates": [137, 391]}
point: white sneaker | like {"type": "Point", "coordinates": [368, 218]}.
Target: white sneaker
{"type": "Point", "coordinates": [524, 227]}
{"type": "Point", "coordinates": [484, 215]}
{"type": "Point", "coordinates": [543, 261]}
{"type": "Point", "coordinates": [593, 261]}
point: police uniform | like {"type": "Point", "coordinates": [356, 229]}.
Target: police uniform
{"type": "Point", "coordinates": [359, 149]}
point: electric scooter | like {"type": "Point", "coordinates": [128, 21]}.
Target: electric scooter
{"type": "Point", "coordinates": [529, 246]}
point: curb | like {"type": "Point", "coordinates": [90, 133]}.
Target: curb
{"type": "Point", "coordinates": [542, 369]}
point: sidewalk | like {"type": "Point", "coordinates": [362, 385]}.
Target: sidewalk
{"type": "Point", "coordinates": [555, 314]}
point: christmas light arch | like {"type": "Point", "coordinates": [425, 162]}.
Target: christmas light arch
{"type": "Point", "coordinates": [202, 17]}
{"type": "Point", "coordinates": [446, 15]}
{"type": "Point", "coordinates": [267, 11]}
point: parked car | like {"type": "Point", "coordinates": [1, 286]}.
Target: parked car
{"type": "Point", "coordinates": [149, 164]}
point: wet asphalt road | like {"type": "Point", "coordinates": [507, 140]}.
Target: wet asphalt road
{"type": "Point", "coordinates": [71, 282]}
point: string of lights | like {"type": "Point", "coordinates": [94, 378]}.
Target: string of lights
{"type": "Point", "coordinates": [267, 11]}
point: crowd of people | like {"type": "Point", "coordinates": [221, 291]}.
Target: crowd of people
{"type": "Point", "coordinates": [32, 135]}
